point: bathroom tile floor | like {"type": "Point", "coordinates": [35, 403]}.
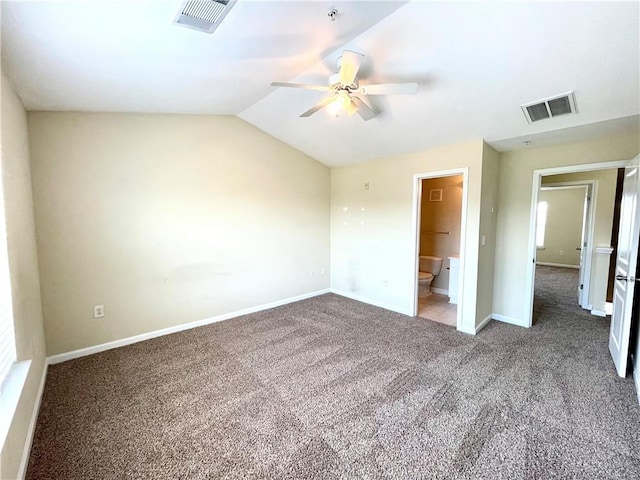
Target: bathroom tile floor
{"type": "Point", "coordinates": [436, 307]}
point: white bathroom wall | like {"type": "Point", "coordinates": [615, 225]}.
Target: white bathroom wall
{"type": "Point", "coordinates": [169, 219]}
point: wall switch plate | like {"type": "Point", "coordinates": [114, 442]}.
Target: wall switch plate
{"type": "Point", "coordinates": [98, 311]}
{"type": "Point", "coordinates": [483, 240]}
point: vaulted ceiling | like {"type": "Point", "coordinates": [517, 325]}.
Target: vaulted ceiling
{"type": "Point", "coordinates": [476, 63]}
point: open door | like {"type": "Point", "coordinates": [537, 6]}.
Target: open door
{"type": "Point", "coordinates": [585, 249]}
{"type": "Point", "coordinates": [626, 262]}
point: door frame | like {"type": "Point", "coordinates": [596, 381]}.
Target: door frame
{"type": "Point", "coordinates": [588, 226]}
{"type": "Point", "coordinates": [415, 221]}
{"type": "Point", "coordinates": [531, 250]}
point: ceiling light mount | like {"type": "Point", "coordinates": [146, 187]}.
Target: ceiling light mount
{"type": "Point", "coordinates": [332, 14]}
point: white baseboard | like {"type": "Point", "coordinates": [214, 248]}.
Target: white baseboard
{"type": "Point", "coordinates": [636, 379]}
{"type": "Point", "coordinates": [375, 303]}
{"type": "Point", "coordinates": [510, 320]}
{"type": "Point", "coordinates": [441, 291]}
{"type": "Point", "coordinates": [469, 331]}
{"type": "Point", "coordinates": [599, 313]}
{"type": "Point", "coordinates": [563, 265]}
{"type": "Point", "coordinates": [31, 430]}
{"type": "Point", "coordinates": [477, 328]}
{"type": "Point", "coordinates": [83, 352]}
{"type": "Point", "coordinates": [483, 323]}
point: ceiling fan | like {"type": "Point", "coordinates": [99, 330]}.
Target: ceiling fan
{"type": "Point", "coordinates": [345, 90]}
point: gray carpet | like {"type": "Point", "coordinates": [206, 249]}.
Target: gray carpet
{"type": "Point", "coordinates": [332, 388]}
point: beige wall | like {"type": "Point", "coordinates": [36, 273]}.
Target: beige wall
{"type": "Point", "coordinates": [443, 216]}
{"type": "Point", "coordinates": [563, 231]}
{"type": "Point", "coordinates": [514, 207]}
{"type": "Point", "coordinates": [372, 253]}
{"type": "Point", "coordinates": [169, 219]}
{"type": "Point", "coordinates": [488, 217]}
{"type": "Point", "coordinates": [23, 265]}
{"type": "Point", "coordinates": [605, 197]}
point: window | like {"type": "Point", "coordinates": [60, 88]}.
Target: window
{"type": "Point", "coordinates": [541, 224]}
{"type": "Point", "coordinates": [7, 339]}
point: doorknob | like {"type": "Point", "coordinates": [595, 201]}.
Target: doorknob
{"type": "Point", "coordinates": [621, 277]}
{"type": "Point", "coordinates": [578, 248]}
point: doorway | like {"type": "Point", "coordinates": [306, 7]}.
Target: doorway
{"type": "Point", "coordinates": [439, 222]}
{"type": "Point", "coordinates": [598, 251]}
{"type": "Point", "coordinates": [565, 226]}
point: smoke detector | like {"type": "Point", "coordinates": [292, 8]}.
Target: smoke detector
{"type": "Point", "coordinates": [550, 107]}
{"type": "Point", "coordinates": [203, 15]}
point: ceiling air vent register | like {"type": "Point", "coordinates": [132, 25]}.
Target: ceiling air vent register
{"type": "Point", "coordinates": [203, 15]}
{"type": "Point", "coordinates": [550, 107]}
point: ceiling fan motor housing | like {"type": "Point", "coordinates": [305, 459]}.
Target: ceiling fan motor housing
{"type": "Point", "coordinates": [334, 83]}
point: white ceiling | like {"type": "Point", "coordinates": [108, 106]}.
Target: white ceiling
{"type": "Point", "coordinates": [476, 63]}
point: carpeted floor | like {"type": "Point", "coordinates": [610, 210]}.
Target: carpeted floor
{"type": "Point", "coordinates": [332, 388]}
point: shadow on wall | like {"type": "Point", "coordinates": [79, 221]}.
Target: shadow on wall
{"type": "Point", "coordinates": [441, 216]}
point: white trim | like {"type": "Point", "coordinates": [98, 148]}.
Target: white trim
{"type": "Point", "coordinates": [510, 320]}
{"type": "Point", "coordinates": [440, 291]}
{"type": "Point", "coordinates": [604, 250]}
{"type": "Point", "coordinates": [31, 430]}
{"type": "Point", "coordinates": [483, 323]}
{"type": "Point", "coordinates": [464, 329]}
{"type": "Point", "coordinates": [10, 393]}
{"type": "Point", "coordinates": [415, 231]}
{"type": "Point", "coordinates": [476, 329]}
{"type": "Point", "coordinates": [531, 251]}
{"type": "Point", "coordinates": [83, 352]}
{"type": "Point", "coordinates": [599, 313]}
{"type": "Point", "coordinates": [563, 265]}
{"type": "Point", "coordinates": [375, 303]}
{"type": "Point", "coordinates": [636, 380]}
{"type": "Point", "coordinates": [573, 185]}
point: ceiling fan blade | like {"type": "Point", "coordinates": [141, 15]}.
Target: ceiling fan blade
{"type": "Point", "coordinates": [389, 89]}
{"type": "Point", "coordinates": [320, 88]}
{"type": "Point", "coordinates": [318, 106]}
{"type": "Point", "coordinates": [349, 67]}
{"type": "Point", "coordinates": [364, 110]}
{"type": "Point", "coordinates": [350, 107]}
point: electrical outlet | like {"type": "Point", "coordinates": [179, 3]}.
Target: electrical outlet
{"type": "Point", "coordinates": [366, 186]}
{"type": "Point", "coordinates": [483, 240]}
{"type": "Point", "coordinates": [311, 273]}
{"type": "Point", "coordinates": [561, 252]}
{"type": "Point", "coordinates": [322, 271]}
{"type": "Point", "coordinates": [98, 311]}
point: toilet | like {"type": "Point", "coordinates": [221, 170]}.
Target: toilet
{"type": "Point", "coordinates": [429, 267]}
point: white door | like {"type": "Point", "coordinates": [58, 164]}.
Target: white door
{"type": "Point", "coordinates": [625, 268]}
{"type": "Point", "coordinates": [583, 294]}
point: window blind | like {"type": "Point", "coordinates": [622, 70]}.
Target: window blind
{"type": "Point", "coordinates": [7, 338]}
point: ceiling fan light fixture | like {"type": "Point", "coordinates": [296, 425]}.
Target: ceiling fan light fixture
{"type": "Point", "coordinates": [342, 103]}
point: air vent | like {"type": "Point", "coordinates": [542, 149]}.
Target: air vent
{"type": "Point", "coordinates": [203, 15]}
{"type": "Point", "coordinates": [550, 107]}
